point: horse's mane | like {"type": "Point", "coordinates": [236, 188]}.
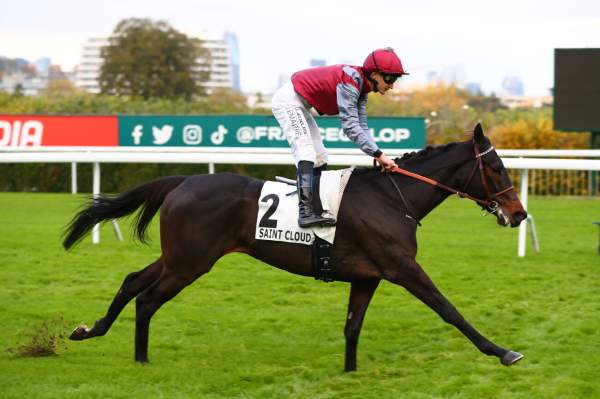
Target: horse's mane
{"type": "Point", "coordinates": [423, 155]}
{"type": "Point", "coordinates": [417, 157]}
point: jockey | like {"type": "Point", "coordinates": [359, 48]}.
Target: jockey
{"type": "Point", "coordinates": [331, 90]}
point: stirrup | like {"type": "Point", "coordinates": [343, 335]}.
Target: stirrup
{"type": "Point", "coordinates": [314, 220]}
{"type": "Point", "coordinates": [330, 220]}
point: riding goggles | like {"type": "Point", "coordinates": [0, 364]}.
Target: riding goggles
{"type": "Point", "coordinates": [389, 79]}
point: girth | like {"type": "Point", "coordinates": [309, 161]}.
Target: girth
{"type": "Point", "coordinates": [321, 260]}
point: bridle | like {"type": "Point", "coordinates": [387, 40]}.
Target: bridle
{"type": "Point", "coordinates": [490, 202]}
{"type": "Point", "coordinates": [490, 198]}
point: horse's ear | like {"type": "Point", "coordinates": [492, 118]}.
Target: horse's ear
{"type": "Point", "coordinates": [478, 133]}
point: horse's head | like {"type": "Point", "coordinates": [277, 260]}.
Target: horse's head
{"type": "Point", "coordinates": [488, 180]}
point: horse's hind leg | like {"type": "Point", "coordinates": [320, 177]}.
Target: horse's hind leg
{"type": "Point", "coordinates": [133, 284]}
{"type": "Point", "coordinates": [361, 292]}
{"type": "Point", "coordinates": [148, 302]}
{"type": "Point", "coordinates": [411, 276]}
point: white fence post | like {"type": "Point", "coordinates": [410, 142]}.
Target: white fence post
{"type": "Point", "coordinates": [211, 168]}
{"type": "Point", "coordinates": [534, 236]}
{"type": "Point", "coordinates": [73, 177]}
{"type": "Point", "coordinates": [117, 230]}
{"type": "Point", "coordinates": [523, 225]}
{"type": "Point", "coordinates": [95, 194]}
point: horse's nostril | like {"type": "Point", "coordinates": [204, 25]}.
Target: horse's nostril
{"type": "Point", "coordinates": [520, 216]}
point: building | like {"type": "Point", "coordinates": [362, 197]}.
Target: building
{"type": "Point", "coordinates": [234, 55]}
{"type": "Point", "coordinates": [283, 78]}
{"type": "Point", "coordinates": [449, 74]}
{"type": "Point", "coordinates": [23, 82]}
{"type": "Point", "coordinates": [474, 88]}
{"type": "Point", "coordinates": [28, 78]}
{"type": "Point", "coordinates": [513, 86]}
{"type": "Point", "coordinates": [43, 65]}
{"type": "Point", "coordinates": [520, 101]}
{"type": "Point", "coordinates": [87, 73]}
{"type": "Point", "coordinates": [221, 69]}
{"type": "Point", "coordinates": [224, 63]}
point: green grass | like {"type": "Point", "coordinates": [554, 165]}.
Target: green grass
{"type": "Point", "coordinates": [246, 330]}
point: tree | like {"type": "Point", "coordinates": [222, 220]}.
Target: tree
{"type": "Point", "coordinates": [532, 128]}
{"type": "Point", "coordinates": [486, 103]}
{"type": "Point", "coordinates": [150, 59]}
{"type": "Point", "coordinates": [445, 108]}
{"type": "Point", "coordinates": [18, 91]}
{"type": "Point", "coordinates": [59, 87]}
{"type": "Point", "coordinates": [224, 100]}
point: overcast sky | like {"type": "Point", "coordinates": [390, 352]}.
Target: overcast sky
{"type": "Point", "coordinates": [487, 40]}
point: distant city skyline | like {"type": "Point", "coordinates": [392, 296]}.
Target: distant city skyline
{"type": "Point", "coordinates": [489, 41]}
{"type": "Point", "coordinates": [511, 84]}
{"type": "Point", "coordinates": [31, 77]}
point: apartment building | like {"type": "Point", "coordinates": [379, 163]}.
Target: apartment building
{"type": "Point", "coordinates": [223, 65]}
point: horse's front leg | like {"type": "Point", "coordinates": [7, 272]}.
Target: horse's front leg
{"type": "Point", "coordinates": [412, 277]}
{"type": "Point", "coordinates": [361, 292]}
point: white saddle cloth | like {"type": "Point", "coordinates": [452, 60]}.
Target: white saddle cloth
{"type": "Point", "coordinates": [277, 218]}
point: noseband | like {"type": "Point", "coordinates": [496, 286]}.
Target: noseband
{"type": "Point", "coordinates": [489, 202]}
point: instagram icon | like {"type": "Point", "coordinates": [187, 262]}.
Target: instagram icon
{"type": "Point", "coordinates": [192, 134]}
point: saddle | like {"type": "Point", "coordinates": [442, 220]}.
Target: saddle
{"type": "Point", "coordinates": [277, 217]}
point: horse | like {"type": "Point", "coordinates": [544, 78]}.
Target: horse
{"type": "Point", "coordinates": [204, 217]}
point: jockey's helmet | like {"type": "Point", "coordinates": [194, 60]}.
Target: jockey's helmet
{"type": "Point", "coordinates": [385, 61]}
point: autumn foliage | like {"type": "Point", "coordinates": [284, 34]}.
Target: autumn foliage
{"type": "Point", "coordinates": [451, 112]}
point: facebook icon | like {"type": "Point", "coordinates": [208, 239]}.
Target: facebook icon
{"type": "Point", "coordinates": [137, 134]}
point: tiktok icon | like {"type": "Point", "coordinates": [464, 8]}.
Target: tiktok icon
{"type": "Point", "coordinates": [218, 136]}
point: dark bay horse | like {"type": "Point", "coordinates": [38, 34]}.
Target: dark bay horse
{"type": "Point", "coordinates": [207, 216]}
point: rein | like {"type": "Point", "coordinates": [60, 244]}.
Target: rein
{"type": "Point", "coordinates": [489, 202]}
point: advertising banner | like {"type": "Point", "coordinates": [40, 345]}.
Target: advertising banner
{"type": "Point", "coordinates": [206, 131]}
{"type": "Point", "coordinates": [17, 131]}
{"type": "Point", "coordinates": [257, 131]}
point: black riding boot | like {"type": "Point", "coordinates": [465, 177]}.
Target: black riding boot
{"type": "Point", "coordinates": [317, 204]}
{"type": "Point", "coordinates": [306, 214]}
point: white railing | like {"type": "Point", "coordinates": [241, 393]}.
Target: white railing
{"type": "Point", "coordinates": [550, 153]}
{"type": "Point", "coordinates": [523, 160]}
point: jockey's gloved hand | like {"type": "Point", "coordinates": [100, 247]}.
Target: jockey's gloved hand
{"type": "Point", "coordinates": [387, 163]}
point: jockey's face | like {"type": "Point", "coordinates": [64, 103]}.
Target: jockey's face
{"type": "Point", "coordinates": [382, 86]}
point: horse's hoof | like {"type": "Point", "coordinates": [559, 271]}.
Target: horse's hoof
{"type": "Point", "coordinates": [79, 333]}
{"type": "Point", "coordinates": [511, 358]}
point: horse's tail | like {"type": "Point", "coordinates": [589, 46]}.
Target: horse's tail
{"type": "Point", "coordinates": [149, 196]}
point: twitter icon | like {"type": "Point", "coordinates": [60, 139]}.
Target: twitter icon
{"type": "Point", "coordinates": [162, 135]}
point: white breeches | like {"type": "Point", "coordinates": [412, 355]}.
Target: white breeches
{"type": "Point", "coordinates": [293, 114]}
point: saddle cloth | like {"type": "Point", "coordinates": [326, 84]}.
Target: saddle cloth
{"type": "Point", "coordinates": [277, 218]}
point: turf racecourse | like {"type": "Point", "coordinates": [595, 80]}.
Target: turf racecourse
{"type": "Point", "coordinates": [246, 330]}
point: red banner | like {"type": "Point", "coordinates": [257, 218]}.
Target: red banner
{"type": "Point", "coordinates": [17, 131]}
